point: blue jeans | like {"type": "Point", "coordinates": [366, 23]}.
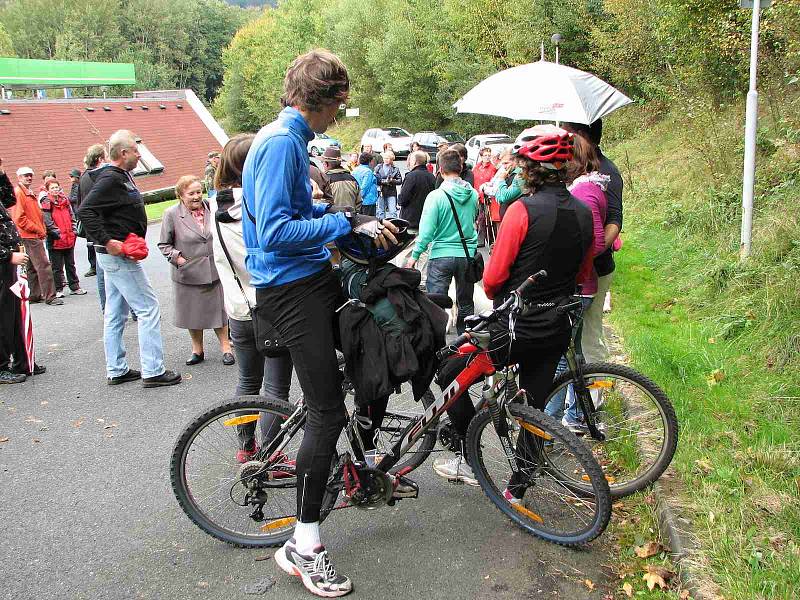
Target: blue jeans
{"type": "Point", "coordinates": [127, 285]}
{"type": "Point", "coordinates": [440, 272]}
{"type": "Point", "coordinates": [387, 207]}
{"type": "Point", "coordinates": [566, 397]}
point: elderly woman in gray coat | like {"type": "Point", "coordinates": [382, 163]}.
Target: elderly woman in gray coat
{"type": "Point", "coordinates": [187, 243]}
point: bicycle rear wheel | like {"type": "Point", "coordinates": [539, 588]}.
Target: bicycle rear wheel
{"type": "Point", "coordinates": [542, 503]}
{"type": "Point", "coordinates": [212, 479]}
{"type": "Point", "coordinates": [637, 419]}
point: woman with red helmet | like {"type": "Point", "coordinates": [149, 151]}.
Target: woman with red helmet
{"type": "Point", "coordinates": [547, 228]}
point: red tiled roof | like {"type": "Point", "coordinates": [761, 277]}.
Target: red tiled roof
{"type": "Point", "coordinates": [55, 135]}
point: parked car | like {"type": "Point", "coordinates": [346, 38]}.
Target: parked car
{"type": "Point", "coordinates": [320, 143]}
{"type": "Point", "coordinates": [399, 138]}
{"type": "Point", "coordinates": [496, 141]}
{"type": "Point", "coordinates": [429, 140]}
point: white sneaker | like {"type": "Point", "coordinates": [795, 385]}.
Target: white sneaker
{"type": "Point", "coordinates": [511, 498]}
{"type": "Point", "coordinates": [59, 294]}
{"type": "Point", "coordinates": [314, 570]}
{"type": "Point", "coordinates": [455, 469]}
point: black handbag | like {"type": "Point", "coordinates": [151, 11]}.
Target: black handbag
{"type": "Point", "coordinates": [267, 339]}
{"type": "Point", "coordinates": [474, 263]}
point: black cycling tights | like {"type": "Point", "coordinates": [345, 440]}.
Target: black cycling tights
{"type": "Point", "coordinates": [304, 313]}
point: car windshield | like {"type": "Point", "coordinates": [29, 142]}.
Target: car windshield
{"type": "Point", "coordinates": [429, 139]}
{"type": "Point", "coordinates": [451, 136]}
{"type": "Point", "coordinates": [397, 132]}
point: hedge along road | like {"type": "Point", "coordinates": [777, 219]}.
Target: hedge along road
{"type": "Point", "coordinates": [89, 511]}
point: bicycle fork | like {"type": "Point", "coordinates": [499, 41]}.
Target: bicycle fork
{"type": "Point", "coordinates": [583, 395]}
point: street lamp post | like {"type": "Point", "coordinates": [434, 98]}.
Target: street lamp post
{"type": "Point", "coordinates": [556, 39]}
{"type": "Point", "coordinates": [750, 130]}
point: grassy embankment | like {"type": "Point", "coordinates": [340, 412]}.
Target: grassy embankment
{"type": "Point", "coordinates": [721, 336]}
{"type": "Point", "coordinates": [156, 210]}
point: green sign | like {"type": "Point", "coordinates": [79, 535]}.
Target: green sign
{"type": "Point", "coordinates": [27, 73]}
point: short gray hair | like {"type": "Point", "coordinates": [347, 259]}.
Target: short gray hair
{"type": "Point", "coordinates": [419, 157]}
{"type": "Point", "coordinates": [119, 141]}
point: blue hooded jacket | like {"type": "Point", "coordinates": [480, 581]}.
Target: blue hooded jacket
{"type": "Point", "coordinates": [287, 240]}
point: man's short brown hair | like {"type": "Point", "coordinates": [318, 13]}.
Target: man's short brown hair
{"type": "Point", "coordinates": [315, 80]}
{"type": "Point", "coordinates": [94, 155]}
{"type": "Point", "coordinates": [449, 162]}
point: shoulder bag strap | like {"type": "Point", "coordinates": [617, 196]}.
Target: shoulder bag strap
{"type": "Point", "coordinates": [230, 261]}
{"type": "Point", "coordinates": [458, 225]}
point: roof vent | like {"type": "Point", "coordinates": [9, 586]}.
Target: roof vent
{"type": "Point", "coordinates": [162, 107]}
{"type": "Point", "coordinates": [145, 107]}
{"type": "Point", "coordinates": [179, 106]}
{"type": "Point", "coordinates": [107, 108]}
{"type": "Point", "coordinates": [89, 109]}
{"type": "Point", "coordinates": [5, 112]}
{"type": "Point", "coordinates": [128, 108]}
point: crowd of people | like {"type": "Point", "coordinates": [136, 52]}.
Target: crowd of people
{"type": "Point", "coordinates": [256, 261]}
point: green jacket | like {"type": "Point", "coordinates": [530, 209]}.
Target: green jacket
{"type": "Point", "coordinates": [437, 227]}
{"type": "Point", "coordinates": [508, 193]}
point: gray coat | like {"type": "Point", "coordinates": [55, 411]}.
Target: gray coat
{"type": "Point", "coordinates": [181, 236]}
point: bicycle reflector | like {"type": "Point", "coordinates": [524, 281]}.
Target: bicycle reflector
{"type": "Point", "coordinates": [240, 420]}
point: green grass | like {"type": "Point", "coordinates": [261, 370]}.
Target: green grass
{"type": "Point", "coordinates": [156, 210]}
{"type": "Point", "coordinates": [720, 336]}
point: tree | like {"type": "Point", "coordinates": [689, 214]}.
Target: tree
{"type": "Point", "coordinates": [6, 45]}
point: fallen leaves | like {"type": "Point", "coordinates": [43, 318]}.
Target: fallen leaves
{"type": "Point", "coordinates": [704, 466]}
{"type": "Point", "coordinates": [3, 440]}
{"type": "Point", "coordinates": [264, 557]}
{"type": "Point", "coordinates": [628, 589]}
{"type": "Point", "coordinates": [657, 576]}
{"type": "Point", "coordinates": [715, 377]}
{"type": "Point", "coordinates": [589, 585]}
{"type": "Point", "coordinates": [648, 550]}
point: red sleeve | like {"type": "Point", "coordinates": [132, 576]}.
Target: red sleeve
{"type": "Point", "coordinates": [513, 230]}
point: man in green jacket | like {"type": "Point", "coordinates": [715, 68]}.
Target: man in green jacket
{"type": "Point", "coordinates": [438, 229]}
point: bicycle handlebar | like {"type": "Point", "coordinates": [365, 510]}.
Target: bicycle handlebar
{"type": "Point", "coordinates": [512, 300]}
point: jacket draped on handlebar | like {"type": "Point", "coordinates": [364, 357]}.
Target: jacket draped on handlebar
{"type": "Point", "coordinates": [379, 358]}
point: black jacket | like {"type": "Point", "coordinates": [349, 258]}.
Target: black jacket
{"type": "Point", "coordinates": [7, 196]}
{"type": "Point", "coordinates": [378, 360]}
{"type": "Point", "coordinates": [9, 236]}
{"type": "Point", "coordinates": [418, 184]}
{"type": "Point", "coordinates": [113, 208]}
{"type": "Point", "coordinates": [604, 263]}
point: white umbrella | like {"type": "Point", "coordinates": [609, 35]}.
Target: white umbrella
{"type": "Point", "coordinates": [543, 91]}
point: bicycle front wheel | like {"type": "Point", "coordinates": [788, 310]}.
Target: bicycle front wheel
{"type": "Point", "coordinates": [537, 497]}
{"type": "Point", "coordinates": [637, 420]}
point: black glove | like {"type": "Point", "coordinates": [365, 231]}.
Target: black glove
{"type": "Point", "coordinates": [364, 224]}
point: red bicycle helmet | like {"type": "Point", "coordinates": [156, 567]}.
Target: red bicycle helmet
{"type": "Point", "coordinates": [547, 144]}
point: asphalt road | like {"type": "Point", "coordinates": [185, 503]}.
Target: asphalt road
{"type": "Point", "coordinates": [88, 511]}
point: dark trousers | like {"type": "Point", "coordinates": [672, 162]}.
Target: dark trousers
{"type": "Point", "coordinates": [368, 209]}
{"type": "Point", "coordinates": [304, 314]}
{"type": "Point", "coordinates": [440, 272]}
{"type": "Point", "coordinates": [61, 260]}
{"type": "Point", "coordinates": [40, 274]}
{"type": "Point", "coordinates": [90, 253]}
{"type": "Point", "coordinates": [258, 374]}
{"type": "Point", "coordinates": [12, 341]}
{"type": "Point", "coordinates": [537, 366]}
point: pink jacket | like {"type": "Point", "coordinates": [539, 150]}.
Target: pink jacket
{"type": "Point", "coordinates": [590, 189]}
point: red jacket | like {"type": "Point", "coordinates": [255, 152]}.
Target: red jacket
{"type": "Point", "coordinates": [27, 215]}
{"type": "Point", "coordinates": [483, 174]}
{"type": "Point", "coordinates": [59, 207]}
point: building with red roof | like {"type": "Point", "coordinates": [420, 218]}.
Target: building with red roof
{"type": "Point", "coordinates": [174, 129]}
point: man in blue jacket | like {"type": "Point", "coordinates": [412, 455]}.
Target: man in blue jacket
{"type": "Point", "coordinates": [296, 290]}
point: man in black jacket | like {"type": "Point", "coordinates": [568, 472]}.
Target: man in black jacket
{"type": "Point", "coordinates": [418, 184]}
{"type": "Point", "coordinates": [466, 172]}
{"type": "Point", "coordinates": [112, 210]}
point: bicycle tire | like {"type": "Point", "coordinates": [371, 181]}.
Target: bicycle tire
{"type": "Point", "coordinates": [184, 494]}
{"type": "Point", "coordinates": [540, 421]}
{"type": "Point", "coordinates": [620, 488]}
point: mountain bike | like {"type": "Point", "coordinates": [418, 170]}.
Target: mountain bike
{"type": "Point", "coordinates": [508, 444]}
{"type": "Point", "coordinates": [631, 425]}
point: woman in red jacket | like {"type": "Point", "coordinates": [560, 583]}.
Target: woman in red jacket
{"type": "Point", "coordinates": [56, 207]}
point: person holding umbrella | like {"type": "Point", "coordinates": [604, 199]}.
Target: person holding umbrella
{"type": "Point", "coordinates": [15, 364]}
